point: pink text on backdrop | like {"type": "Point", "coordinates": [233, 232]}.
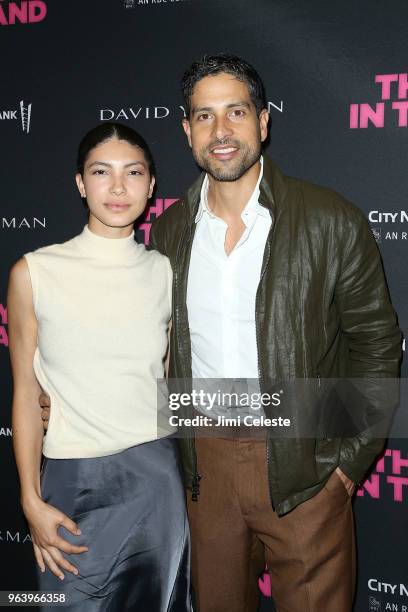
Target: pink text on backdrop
{"type": "Point", "coordinates": [264, 584]}
{"type": "Point", "coordinates": [3, 323]}
{"type": "Point", "coordinates": [31, 11]}
{"type": "Point", "coordinates": [156, 209]}
{"type": "Point", "coordinates": [389, 478]}
{"type": "Point", "coordinates": [394, 94]}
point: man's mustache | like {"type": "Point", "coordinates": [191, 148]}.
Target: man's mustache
{"type": "Point", "coordinates": [222, 142]}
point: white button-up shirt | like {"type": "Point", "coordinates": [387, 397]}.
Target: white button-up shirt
{"type": "Point", "coordinates": [222, 289]}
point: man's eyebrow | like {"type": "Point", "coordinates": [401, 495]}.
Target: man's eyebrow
{"type": "Point", "coordinates": [209, 109]}
{"type": "Point", "coordinates": [201, 109]}
{"type": "Point", "coordinates": [239, 103]}
{"type": "Point", "coordinates": [133, 163]}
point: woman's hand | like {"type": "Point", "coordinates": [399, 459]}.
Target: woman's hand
{"type": "Point", "coordinates": [44, 520]}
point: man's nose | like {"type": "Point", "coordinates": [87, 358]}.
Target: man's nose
{"type": "Point", "coordinates": [222, 128]}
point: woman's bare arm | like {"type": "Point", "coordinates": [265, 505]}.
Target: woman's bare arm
{"type": "Point", "coordinates": [26, 420]}
{"type": "Point", "coordinates": [43, 518]}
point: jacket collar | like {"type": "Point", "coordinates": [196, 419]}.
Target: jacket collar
{"type": "Point", "coordinates": [272, 190]}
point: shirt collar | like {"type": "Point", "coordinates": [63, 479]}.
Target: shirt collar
{"type": "Point", "coordinates": [251, 206]}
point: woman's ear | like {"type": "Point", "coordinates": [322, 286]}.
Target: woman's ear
{"type": "Point", "coordinates": [80, 185]}
{"type": "Point", "coordinates": [151, 188]}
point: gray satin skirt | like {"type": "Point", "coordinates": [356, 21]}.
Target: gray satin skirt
{"type": "Point", "coordinates": [130, 508]}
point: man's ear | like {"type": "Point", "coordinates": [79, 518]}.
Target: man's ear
{"type": "Point", "coordinates": [80, 185]}
{"type": "Point", "coordinates": [263, 123]}
{"type": "Point", "coordinates": [187, 129]}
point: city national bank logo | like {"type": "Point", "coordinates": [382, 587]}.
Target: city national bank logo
{"type": "Point", "coordinates": [22, 114]}
{"type": "Point", "coordinates": [374, 605]}
{"type": "Point", "coordinates": [388, 588]}
{"type": "Point", "coordinates": [390, 591]}
{"type": "Point", "coordinates": [3, 326]}
{"type": "Point", "coordinates": [158, 112]}
{"type": "Point", "coordinates": [388, 217]}
{"type": "Point", "coordinates": [392, 108]}
{"type": "Point", "coordinates": [31, 11]}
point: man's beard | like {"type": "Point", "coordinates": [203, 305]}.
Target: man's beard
{"type": "Point", "coordinates": [228, 171]}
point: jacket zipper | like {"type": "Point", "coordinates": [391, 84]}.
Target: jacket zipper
{"type": "Point", "coordinates": [195, 489]}
{"type": "Point", "coordinates": [259, 363]}
{"type": "Point", "coordinates": [179, 344]}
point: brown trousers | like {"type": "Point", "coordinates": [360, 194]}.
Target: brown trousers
{"type": "Point", "coordinates": [310, 552]}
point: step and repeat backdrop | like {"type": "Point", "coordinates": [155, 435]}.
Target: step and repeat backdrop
{"type": "Point", "coordinates": [337, 87]}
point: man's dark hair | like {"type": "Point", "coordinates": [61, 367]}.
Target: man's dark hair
{"type": "Point", "coordinates": [210, 65]}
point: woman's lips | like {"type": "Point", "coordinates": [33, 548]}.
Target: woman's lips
{"type": "Point", "coordinates": [116, 206]}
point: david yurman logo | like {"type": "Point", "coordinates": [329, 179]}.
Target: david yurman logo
{"type": "Point", "coordinates": [23, 222]}
{"type": "Point", "coordinates": [15, 536]}
{"type": "Point", "coordinates": [156, 112]}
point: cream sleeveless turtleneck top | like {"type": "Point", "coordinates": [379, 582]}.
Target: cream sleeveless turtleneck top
{"type": "Point", "coordinates": [103, 307]}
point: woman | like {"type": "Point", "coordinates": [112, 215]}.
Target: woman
{"type": "Point", "coordinates": [88, 325]}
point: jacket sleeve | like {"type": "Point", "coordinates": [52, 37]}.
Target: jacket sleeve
{"type": "Point", "coordinates": [368, 321]}
{"type": "Point", "coordinates": [156, 241]}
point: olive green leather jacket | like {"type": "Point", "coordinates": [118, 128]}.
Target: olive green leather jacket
{"type": "Point", "coordinates": [322, 310]}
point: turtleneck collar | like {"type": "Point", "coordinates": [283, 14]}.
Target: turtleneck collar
{"type": "Point", "coordinates": [107, 248]}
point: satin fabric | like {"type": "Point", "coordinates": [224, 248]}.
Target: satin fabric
{"type": "Point", "coordinates": [130, 508]}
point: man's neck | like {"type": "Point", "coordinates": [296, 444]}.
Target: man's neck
{"type": "Point", "coordinates": [227, 199]}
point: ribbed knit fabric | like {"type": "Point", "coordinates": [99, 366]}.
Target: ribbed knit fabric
{"type": "Point", "coordinates": [103, 307]}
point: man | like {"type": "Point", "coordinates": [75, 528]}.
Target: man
{"type": "Point", "coordinates": [274, 278]}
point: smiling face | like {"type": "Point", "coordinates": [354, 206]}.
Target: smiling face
{"type": "Point", "coordinates": [116, 183]}
{"type": "Point", "coordinates": [223, 130]}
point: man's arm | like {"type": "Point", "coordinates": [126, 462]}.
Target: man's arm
{"type": "Point", "coordinates": [45, 404]}
{"type": "Point", "coordinates": [374, 342]}
{"type": "Point", "coordinates": [156, 240]}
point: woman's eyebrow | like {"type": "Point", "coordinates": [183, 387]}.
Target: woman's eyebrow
{"type": "Point", "coordinates": [133, 163]}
